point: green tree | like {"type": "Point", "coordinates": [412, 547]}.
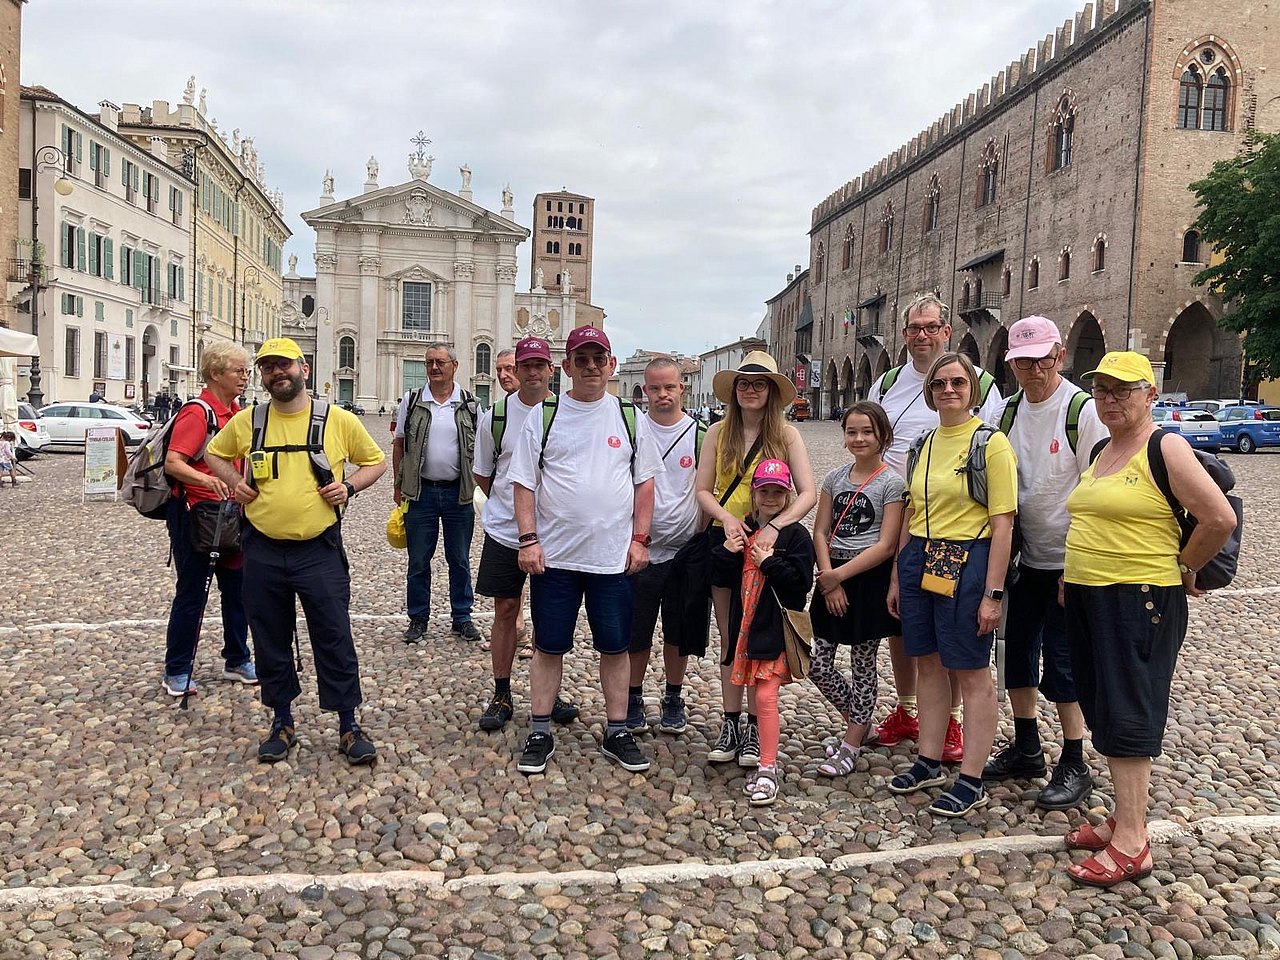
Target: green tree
{"type": "Point", "coordinates": [1240, 219]}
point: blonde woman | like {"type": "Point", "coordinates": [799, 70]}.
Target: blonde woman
{"type": "Point", "coordinates": [754, 428]}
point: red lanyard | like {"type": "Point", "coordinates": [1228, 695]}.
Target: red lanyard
{"type": "Point", "coordinates": [836, 526]}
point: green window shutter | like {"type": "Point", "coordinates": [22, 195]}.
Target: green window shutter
{"type": "Point", "coordinates": [126, 264]}
{"type": "Point", "coordinates": [124, 173]}
{"type": "Point", "coordinates": [93, 155]}
{"type": "Point", "coordinates": [106, 161]}
{"type": "Point", "coordinates": [65, 247]}
{"type": "Point", "coordinates": [139, 270]}
{"type": "Point", "coordinates": [80, 249]}
{"type": "Point", "coordinates": [66, 140]}
{"type": "Point", "coordinates": [128, 318]}
{"type": "Point", "coordinates": [135, 178]}
{"type": "Point", "coordinates": [79, 306]}
{"type": "Point", "coordinates": [173, 326]}
{"type": "Point", "coordinates": [182, 283]}
{"type": "Point", "coordinates": [79, 145]}
{"type": "Point", "coordinates": [93, 251]}
{"type": "Point", "coordinates": [99, 311]}
{"type": "Point", "coordinates": [172, 191]}
{"type": "Point", "coordinates": [199, 289]}
{"type": "Point", "coordinates": [108, 254]}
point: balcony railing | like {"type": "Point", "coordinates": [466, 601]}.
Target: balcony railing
{"type": "Point", "coordinates": [19, 271]}
{"type": "Point", "coordinates": [421, 336]}
{"type": "Point", "coordinates": [991, 302]}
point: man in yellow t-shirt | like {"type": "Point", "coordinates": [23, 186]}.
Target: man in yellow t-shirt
{"type": "Point", "coordinates": [293, 543]}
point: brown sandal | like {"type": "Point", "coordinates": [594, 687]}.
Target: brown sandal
{"type": "Point", "coordinates": [1084, 837]}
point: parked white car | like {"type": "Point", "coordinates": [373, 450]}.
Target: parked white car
{"type": "Point", "coordinates": [67, 422]}
{"type": "Point", "coordinates": [31, 432]}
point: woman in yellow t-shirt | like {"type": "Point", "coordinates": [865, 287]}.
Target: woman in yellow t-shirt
{"type": "Point", "coordinates": [949, 581]}
{"type": "Point", "coordinates": [1127, 578]}
{"type": "Point", "coordinates": [754, 427]}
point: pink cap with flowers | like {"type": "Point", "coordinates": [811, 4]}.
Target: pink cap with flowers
{"type": "Point", "coordinates": [771, 473]}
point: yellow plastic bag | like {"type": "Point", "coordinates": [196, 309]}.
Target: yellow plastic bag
{"type": "Point", "coordinates": [395, 527]}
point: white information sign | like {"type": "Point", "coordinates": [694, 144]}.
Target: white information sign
{"type": "Point", "coordinates": [115, 356]}
{"type": "Point", "coordinates": [101, 461]}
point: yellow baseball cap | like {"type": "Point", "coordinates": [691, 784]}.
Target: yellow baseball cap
{"type": "Point", "coordinates": [279, 347]}
{"type": "Point", "coordinates": [1125, 366]}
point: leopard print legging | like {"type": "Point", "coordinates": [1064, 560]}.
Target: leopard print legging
{"type": "Point", "coordinates": [855, 700]}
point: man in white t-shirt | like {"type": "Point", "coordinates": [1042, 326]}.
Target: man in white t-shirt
{"type": "Point", "coordinates": [1053, 426]}
{"type": "Point", "coordinates": [676, 518]}
{"type": "Point", "coordinates": [900, 390]}
{"type": "Point", "coordinates": [583, 487]}
{"type": "Point", "coordinates": [500, 575]}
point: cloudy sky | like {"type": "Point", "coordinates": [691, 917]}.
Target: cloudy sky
{"type": "Point", "coordinates": [706, 131]}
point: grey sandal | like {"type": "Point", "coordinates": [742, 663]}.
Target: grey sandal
{"type": "Point", "coordinates": [764, 789]}
{"type": "Point", "coordinates": [840, 762]}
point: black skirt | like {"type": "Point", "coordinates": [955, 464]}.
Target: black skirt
{"type": "Point", "coordinates": [868, 616]}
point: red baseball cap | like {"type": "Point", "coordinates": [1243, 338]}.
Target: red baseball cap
{"type": "Point", "coordinates": [584, 336]}
{"type": "Point", "coordinates": [533, 348]}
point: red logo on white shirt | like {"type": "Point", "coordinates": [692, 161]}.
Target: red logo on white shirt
{"type": "Point", "coordinates": [1054, 447]}
{"type": "Point", "coordinates": [615, 442]}
{"type": "Point", "coordinates": [686, 462]}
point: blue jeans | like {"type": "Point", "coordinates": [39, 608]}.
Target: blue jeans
{"type": "Point", "coordinates": [189, 598]}
{"type": "Point", "coordinates": [435, 507]}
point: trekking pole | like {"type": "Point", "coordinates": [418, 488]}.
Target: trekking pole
{"type": "Point", "coordinates": [1001, 628]}
{"type": "Point", "coordinates": [214, 555]}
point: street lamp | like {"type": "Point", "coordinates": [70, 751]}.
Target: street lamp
{"type": "Point", "coordinates": [47, 158]}
{"type": "Point", "coordinates": [249, 271]}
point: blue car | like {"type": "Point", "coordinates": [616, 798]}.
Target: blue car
{"type": "Point", "coordinates": [1197, 427]}
{"type": "Point", "coordinates": [1246, 428]}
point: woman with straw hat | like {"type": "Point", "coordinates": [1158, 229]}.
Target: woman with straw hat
{"type": "Point", "coordinates": [755, 397]}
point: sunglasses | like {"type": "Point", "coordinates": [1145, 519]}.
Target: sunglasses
{"type": "Point", "coordinates": [955, 383]}
{"type": "Point", "coordinates": [268, 364]}
{"type": "Point", "coordinates": [1044, 363]}
{"type": "Point", "coordinates": [757, 386]}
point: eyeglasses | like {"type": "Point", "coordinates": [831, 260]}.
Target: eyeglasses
{"type": "Point", "coordinates": [756, 386]}
{"type": "Point", "coordinates": [1114, 393]}
{"type": "Point", "coordinates": [438, 363]}
{"type": "Point", "coordinates": [922, 329]}
{"type": "Point", "coordinates": [1044, 363]}
{"type": "Point", "coordinates": [590, 359]}
{"type": "Point", "coordinates": [237, 372]}
{"type": "Point", "coordinates": [955, 383]}
{"type": "Point", "coordinates": [267, 364]}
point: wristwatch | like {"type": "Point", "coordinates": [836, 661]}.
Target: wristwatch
{"type": "Point", "coordinates": [351, 490]}
{"type": "Point", "coordinates": [1184, 569]}
{"type": "Point", "coordinates": [641, 538]}
{"type": "Point", "coordinates": [995, 593]}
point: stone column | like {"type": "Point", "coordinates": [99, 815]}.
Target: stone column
{"type": "Point", "coordinates": [463, 320]}
{"type": "Point", "coordinates": [505, 314]}
{"type": "Point", "coordinates": [367, 343]}
{"type": "Point", "coordinates": [326, 313]}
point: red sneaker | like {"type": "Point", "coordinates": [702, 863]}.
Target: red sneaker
{"type": "Point", "coordinates": [953, 745]}
{"type": "Point", "coordinates": [896, 727]}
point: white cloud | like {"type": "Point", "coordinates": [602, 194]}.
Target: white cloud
{"type": "Point", "coordinates": [706, 132]}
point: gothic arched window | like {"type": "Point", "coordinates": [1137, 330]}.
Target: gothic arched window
{"type": "Point", "coordinates": [1189, 96]}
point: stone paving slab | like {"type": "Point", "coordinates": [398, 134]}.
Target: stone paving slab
{"type": "Point", "coordinates": [104, 781]}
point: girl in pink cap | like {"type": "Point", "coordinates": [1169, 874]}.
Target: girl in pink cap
{"type": "Point", "coordinates": [774, 573]}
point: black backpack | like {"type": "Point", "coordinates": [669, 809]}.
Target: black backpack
{"type": "Point", "coordinates": [1221, 569]}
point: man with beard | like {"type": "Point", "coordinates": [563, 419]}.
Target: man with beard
{"type": "Point", "coordinates": [293, 499]}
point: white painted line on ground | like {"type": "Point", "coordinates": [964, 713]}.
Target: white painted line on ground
{"type": "Point", "coordinates": [433, 882]}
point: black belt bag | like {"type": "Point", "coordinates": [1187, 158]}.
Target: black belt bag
{"type": "Point", "coordinates": [215, 526]}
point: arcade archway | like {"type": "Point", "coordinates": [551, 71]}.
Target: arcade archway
{"type": "Point", "coordinates": [1085, 346]}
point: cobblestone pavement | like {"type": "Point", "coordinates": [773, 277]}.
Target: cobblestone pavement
{"type": "Point", "coordinates": [131, 828]}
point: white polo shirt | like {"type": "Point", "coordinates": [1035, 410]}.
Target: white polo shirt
{"type": "Point", "coordinates": [440, 459]}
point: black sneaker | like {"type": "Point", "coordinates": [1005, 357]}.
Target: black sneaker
{"type": "Point", "coordinates": [749, 752]}
{"type": "Point", "coordinates": [357, 748]}
{"type": "Point", "coordinates": [673, 718]}
{"type": "Point", "coordinates": [498, 712]}
{"type": "Point", "coordinates": [276, 746]}
{"type": "Point", "coordinates": [1067, 788]}
{"type": "Point", "coordinates": [727, 743]}
{"type": "Point", "coordinates": [1012, 764]}
{"type": "Point", "coordinates": [562, 711]}
{"type": "Point", "coordinates": [635, 713]}
{"type": "Point", "coordinates": [466, 630]}
{"type": "Point", "coordinates": [538, 748]}
{"type": "Point", "coordinates": [621, 748]}
{"type": "Point", "coordinates": [417, 630]}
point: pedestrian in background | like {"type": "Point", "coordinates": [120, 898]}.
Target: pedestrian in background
{"type": "Point", "coordinates": [9, 456]}
{"type": "Point", "coordinates": [224, 367]}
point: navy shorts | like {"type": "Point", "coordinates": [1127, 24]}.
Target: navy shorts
{"type": "Point", "coordinates": [1124, 641]}
{"type": "Point", "coordinates": [1037, 626]}
{"type": "Point", "coordinates": [947, 626]}
{"type": "Point", "coordinates": [555, 597]}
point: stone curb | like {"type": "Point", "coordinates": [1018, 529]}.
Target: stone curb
{"type": "Point", "coordinates": [1161, 831]}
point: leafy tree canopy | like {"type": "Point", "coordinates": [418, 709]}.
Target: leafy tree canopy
{"type": "Point", "coordinates": [1240, 219]}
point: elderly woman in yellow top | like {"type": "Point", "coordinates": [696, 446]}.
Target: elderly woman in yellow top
{"type": "Point", "coordinates": [949, 580]}
{"type": "Point", "coordinates": [1127, 579]}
